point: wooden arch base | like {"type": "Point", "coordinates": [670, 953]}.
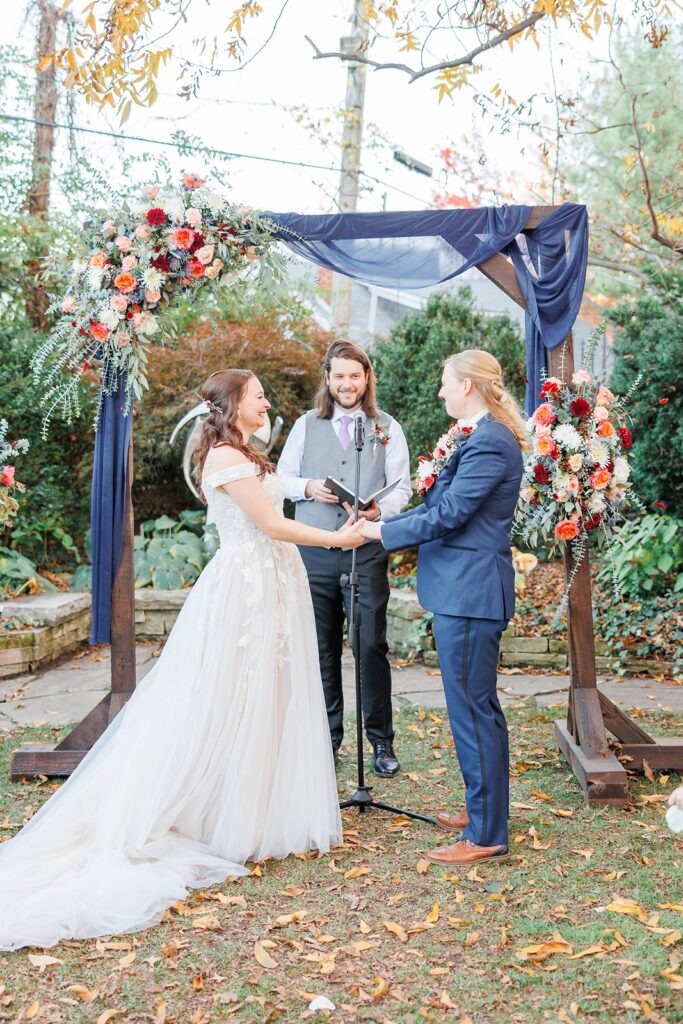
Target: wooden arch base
{"type": "Point", "coordinates": [582, 739]}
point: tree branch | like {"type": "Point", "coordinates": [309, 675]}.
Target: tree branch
{"type": "Point", "coordinates": [623, 268]}
{"type": "Point", "coordinates": [415, 73]}
{"type": "Point", "coordinates": [677, 247]}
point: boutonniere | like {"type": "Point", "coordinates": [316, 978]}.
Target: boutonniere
{"type": "Point", "coordinates": [379, 437]}
{"type": "Point", "coordinates": [429, 466]}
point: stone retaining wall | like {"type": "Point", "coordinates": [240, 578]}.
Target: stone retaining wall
{"type": "Point", "coordinates": [55, 624]}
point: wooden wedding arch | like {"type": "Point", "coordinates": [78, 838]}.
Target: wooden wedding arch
{"type": "Point", "coordinates": [582, 738]}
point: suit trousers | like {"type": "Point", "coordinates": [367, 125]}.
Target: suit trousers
{"type": "Point", "coordinates": [331, 604]}
{"type": "Point", "coordinates": [468, 657]}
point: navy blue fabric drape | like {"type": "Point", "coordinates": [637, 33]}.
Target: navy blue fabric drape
{"type": "Point", "coordinates": [108, 506]}
{"type": "Point", "coordinates": [395, 250]}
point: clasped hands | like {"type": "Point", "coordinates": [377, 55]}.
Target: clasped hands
{"type": "Point", "coordinates": [369, 528]}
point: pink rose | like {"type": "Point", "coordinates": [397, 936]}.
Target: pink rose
{"type": "Point", "coordinates": [600, 413]}
{"type": "Point", "coordinates": [68, 304]}
{"type": "Point", "coordinates": [193, 180]}
{"type": "Point", "coordinates": [604, 396]}
{"type": "Point", "coordinates": [581, 377]}
{"type": "Point", "coordinates": [119, 303]}
{"type": "Point", "coordinates": [573, 484]}
{"type": "Point", "coordinates": [545, 415]}
{"type": "Point", "coordinates": [193, 217]}
{"type": "Point", "coordinates": [109, 228]}
{"type": "Point", "coordinates": [7, 476]}
{"type": "Point", "coordinates": [138, 320]}
{"type": "Point", "coordinates": [124, 243]}
{"type": "Point", "coordinates": [152, 295]}
{"type": "Point", "coordinates": [182, 238]}
{"type": "Point", "coordinates": [142, 231]}
{"type": "Point", "coordinates": [211, 272]}
{"type": "Point", "coordinates": [122, 338]}
{"type": "Point", "coordinates": [205, 254]}
{"type": "Point", "coordinates": [150, 191]}
{"type": "Point", "coordinates": [100, 332]}
{"type": "Point", "coordinates": [128, 262]}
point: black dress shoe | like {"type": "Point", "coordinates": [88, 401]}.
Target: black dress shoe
{"type": "Point", "coordinates": [386, 762]}
{"type": "Point", "coordinates": [335, 752]}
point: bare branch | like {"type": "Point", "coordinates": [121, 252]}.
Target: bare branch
{"type": "Point", "coordinates": [670, 243]}
{"type": "Point", "coordinates": [622, 268]}
{"type": "Point", "coordinates": [415, 73]}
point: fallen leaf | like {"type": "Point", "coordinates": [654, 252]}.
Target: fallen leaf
{"type": "Point", "coordinates": [107, 1015]}
{"type": "Point", "coordinates": [86, 994]}
{"type": "Point", "coordinates": [561, 813]}
{"type": "Point", "coordinates": [628, 907]}
{"type": "Point", "coordinates": [589, 951]}
{"type": "Point", "coordinates": [160, 1015]}
{"type": "Point", "coordinates": [396, 930]}
{"type": "Point", "coordinates": [433, 915]}
{"type": "Point", "coordinates": [542, 950]}
{"type": "Point", "coordinates": [128, 959]}
{"type": "Point", "coordinates": [41, 961]}
{"type": "Point", "coordinates": [584, 853]}
{"type": "Point", "coordinates": [356, 872]}
{"type": "Point", "coordinates": [445, 1000]}
{"type": "Point", "coordinates": [381, 989]}
{"type": "Point", "coordinates": [647, 771]}
{"type": "Point", "coordinates": [472, 938]}
{"type": "Point", "coordinates": [207, 923]}
{"type": "Point", "coordinates": [671, 939]}
{"type": "Point", "coordinates": [540, 795]}
{"type": "Point", "coordinates": [263, 957]}
{"type": "Point", "coordinates": [32, 1011]}
{"type": "Point", "coordinates": [422, 867]}
{"type": "Point", "coordinates": [285, 919]}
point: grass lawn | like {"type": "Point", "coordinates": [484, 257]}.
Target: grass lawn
{"type": "Point", "coordinates": [583, 923]}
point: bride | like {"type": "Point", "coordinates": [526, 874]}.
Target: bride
{"type": "Point", "coordinates": [222, 755]}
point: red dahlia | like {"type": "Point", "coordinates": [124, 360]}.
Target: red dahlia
{"type": "Point", "coordinates": [541, 474]}
{"type": "Point", "coordinates": [161, 263]}
{"type": "Point", "coordinates": [626, 438]}
{"type": "Point", "coordinates": [579, 407]}
{"type": "Point", "coordinates": [156, 216]}
{"type": "Point", "coordinates": [593, 522]}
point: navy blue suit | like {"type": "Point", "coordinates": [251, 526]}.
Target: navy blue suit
{"type": "Point", "coordinates": [465, 576]}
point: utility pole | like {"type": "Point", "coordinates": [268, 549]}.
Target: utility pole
{"type": "Point", "coordinates": [45, 107]}
{"type": "Point", "coordinates": [350, 156]}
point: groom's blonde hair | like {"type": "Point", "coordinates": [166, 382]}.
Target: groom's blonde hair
{"type": "Point", "coordinates": [484, 371]}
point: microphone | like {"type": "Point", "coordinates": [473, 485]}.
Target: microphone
{"type": "Point", "coordinates": [359, 433]}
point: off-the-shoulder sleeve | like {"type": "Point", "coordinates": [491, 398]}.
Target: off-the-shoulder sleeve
{"type": "Point", "coordinates": [230, 474]}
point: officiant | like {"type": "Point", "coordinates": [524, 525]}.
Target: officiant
{"type": "Point", "coordinates": [320, 445]}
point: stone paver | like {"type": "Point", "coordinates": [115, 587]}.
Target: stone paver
{"type": "Point", "coordinates": [66, 692]}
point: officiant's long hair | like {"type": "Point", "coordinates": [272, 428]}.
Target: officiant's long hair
{"type": "Point", "coordinates": [485, 372]}
{"type": "Point", "coordinates": [324, 402]}
{"type": "Point", "coordinates": [222, 393]}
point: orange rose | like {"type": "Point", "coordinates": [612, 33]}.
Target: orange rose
{"type": "Point", "coordinates": [182, 238]}
{"type": "Point", "coordinates": [99, 259]}
{"type": "Point", "coordinates": [606, 429]}
{"type": "Point", "coordinates": [99, 332]}
{"type": "Point", "coordinates": [544, 415]}
{"type": "Point", "coordinates": [566, 530]}
{"type": "Point", "coordinates": [125, 283]}
{"type": "Point", "coordinates": [195, 268]}
{"type": "Point", "coordinates": [546, 446]}
{"type": "Point", "coordinates": [600, 479]}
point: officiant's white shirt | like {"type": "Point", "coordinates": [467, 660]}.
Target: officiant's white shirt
{"type": "Point", "coordinates": [396, 454]}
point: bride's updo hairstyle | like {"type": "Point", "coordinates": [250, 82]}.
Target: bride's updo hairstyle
{"type": "Point", "coordinates": [485, 372]}
{"type": "Point", "coordinates": [222, 393]}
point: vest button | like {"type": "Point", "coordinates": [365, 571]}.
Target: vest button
{"type": "Point", "coordinates": [343, 462]}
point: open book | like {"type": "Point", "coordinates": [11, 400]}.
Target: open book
{"type": "Point", "coordinates": [344, 494]}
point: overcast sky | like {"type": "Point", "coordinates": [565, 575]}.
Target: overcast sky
{"type": "Point", "coordinates": [246, 111]}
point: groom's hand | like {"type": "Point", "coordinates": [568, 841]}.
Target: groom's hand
{"type": "Point", "coordinates": [371, 513]}
{"type": "Point", "coordinates": [316, 489]}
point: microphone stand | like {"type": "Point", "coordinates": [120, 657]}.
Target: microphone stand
{"type": "Point", "coordinates": [362, 797]}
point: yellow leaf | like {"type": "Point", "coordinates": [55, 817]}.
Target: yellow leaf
{"type": "Point", "coordinates": [41, 961]}
{"type": "Point", "coordinates": [87, 995]}
{"type": "Point", "coordinates": [45, 62]}
{"type": "Point", "coordinates": [589, 951]}
{"type": "Point", "coordinates": [628, 907]}
{"type": "Point", "coordinates": [356, 872]}
{"type": "Point", "coordinates": [433, 915]}
{"type": "Point", "coordinates": [542, 796]}
{"type": "Point", "coordinates": [32, 1010]}
{"type": "Point", "coordinates": [108, 1015]}
{"type": "Point", "coordinates": [365, 927]}
{"type": "Point", "coordinates": [584, 853]}
{"type": "Point", "coordinates": [381, 989]}
{"type": "Point", "coordinates": [672, 906]}
{"type": "Point", "coordinates": [472, 938]}
{"type": "Point", "coordinates": [437, 972]}
{"type": "Point", "coordinates": [445, 1000]}
{"type": "Point", "coordinates": [671, 939]}
{"type": "Point", "coordinates": [263, 957]}
{"type": "Point", "coordinates": [396, 930]}
{"type": "Point", "coordinates": [542, 950]}
{"type": "Point", "coordinates": [169, 950]}
{"type": "Point", "coordinates": [127, 960]}
{"type": "Point", "coordinates": [561, 813]}
{"type": "Point", "coordinates": [649, 774]}
{"type": "Point", "coordinates": [160, 1015]}
{"type": "Point", "coordinates": [284, 919]}
{"type": "Point", "coordinates": [422, 867]}
{"type": "Point", "coordinates": [207, 923]}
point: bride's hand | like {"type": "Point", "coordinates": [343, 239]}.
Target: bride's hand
{"type": "Point", "coordinates": [370, 530]}
{"type": "Point", "coordinates": [350, 536]}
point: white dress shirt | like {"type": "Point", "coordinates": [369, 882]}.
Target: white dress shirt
{"type": "Point", "coordinates": [397, 462]}
{"type": "Point", "coordinates": [473, 420]}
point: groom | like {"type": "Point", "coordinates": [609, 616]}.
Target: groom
{"type": "Point", "coordinates": [320, 444]}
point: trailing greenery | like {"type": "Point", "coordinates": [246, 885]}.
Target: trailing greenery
{"type": "Point", "coordinates": [650, 341]}
{"type": "Point", "coordinates": [410, 361]}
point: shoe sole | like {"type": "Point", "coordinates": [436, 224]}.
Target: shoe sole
{"type": "Point", "coordinates": [386, 775]}
{"type": "Point", "coordinates": [468, 863]}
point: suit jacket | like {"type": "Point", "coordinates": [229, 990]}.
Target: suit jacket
{"type": "Point", "coordinates": [463, 528]}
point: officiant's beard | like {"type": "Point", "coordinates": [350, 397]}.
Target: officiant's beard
{"type": "Point", "coordinates": [347, 399]}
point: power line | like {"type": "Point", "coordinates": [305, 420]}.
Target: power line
{"type": "Point", "coordinates": [206, 149]}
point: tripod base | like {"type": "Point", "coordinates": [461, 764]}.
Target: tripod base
{"type": "Point", "coordinates": [362, 799]}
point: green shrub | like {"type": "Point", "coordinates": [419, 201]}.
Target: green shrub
{"type": "Point", "coordinates": [648, 557]}
{"type": "Point", "coordinates": [19, 574]}
{"type": "Point", "coordinates": [650, 342]}
{"type": "Point", "coordinates": [410, 361]}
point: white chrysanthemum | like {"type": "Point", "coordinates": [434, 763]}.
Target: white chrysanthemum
{"type": "Point", "coordinates": [204, 197]}
{"type": "Point", "coordinates": [568, 436]}
{"type": "Point", "coordinates": [596, 502]}
{"type": "Point", "coordinates": [149, 325]}
{"type": "Point", "coordinates": [78, 267]}
{"type": "Point", "coordinates": [622, 471]}
{"type": "Point", "coordinates": [599, 453]}
{"type": "Point", "coordinates": [152, 278]}
{"type": "Point", "coordinates": [95, 275]}
{"type": "Point", "coordinates": [110, 318]}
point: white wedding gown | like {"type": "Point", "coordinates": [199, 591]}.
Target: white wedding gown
{"type": "Point", "coordinates": [221, 756]}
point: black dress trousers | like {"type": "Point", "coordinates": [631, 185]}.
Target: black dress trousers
{"type": "Point", "coordinates": [331, 604]}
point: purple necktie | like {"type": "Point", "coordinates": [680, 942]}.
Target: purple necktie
{"type": "Point", "coordinates": [344, 431]}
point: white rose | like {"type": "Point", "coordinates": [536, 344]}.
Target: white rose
{"type": "Point", "coordinates": [621, 472]}
{"type": "Point", "coordinates": [596, 502]}
{"type": "Point", "coordinates": [575, 462]}
{"type": "Point", "coordinates": [110, 318]}
{"type": "Point", "coordinates": [149, 325]}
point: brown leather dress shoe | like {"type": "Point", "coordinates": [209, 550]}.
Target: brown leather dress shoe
{"type": "Point", "coordinates": [453, 822]}
{"type": "Point", "coordinates": [465, 852]}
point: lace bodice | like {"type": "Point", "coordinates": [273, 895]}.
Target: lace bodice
{"type": "Point", "coordinates": [234, 525]}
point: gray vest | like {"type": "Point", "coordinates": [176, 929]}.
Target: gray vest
{"type": "Point", "coordinates": [324, 456]}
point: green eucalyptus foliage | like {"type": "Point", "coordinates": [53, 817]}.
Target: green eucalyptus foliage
{"type": "Point", "coordinates": [410, 361]}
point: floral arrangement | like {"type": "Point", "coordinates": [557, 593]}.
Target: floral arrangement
{"type": "Point", "coordinates": [135, 261]}
{"type": "Point", "coordinates": [429, 466]}
{"type": "Point", "coordinates": [9, 505]}
{"type": "Point", "coordinates": [577, 476]}
{"type": "Point", "coordinates": [379, 437]}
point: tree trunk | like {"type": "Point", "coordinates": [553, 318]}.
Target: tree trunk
{"type": "Point", "coordinates": [45, 107]}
